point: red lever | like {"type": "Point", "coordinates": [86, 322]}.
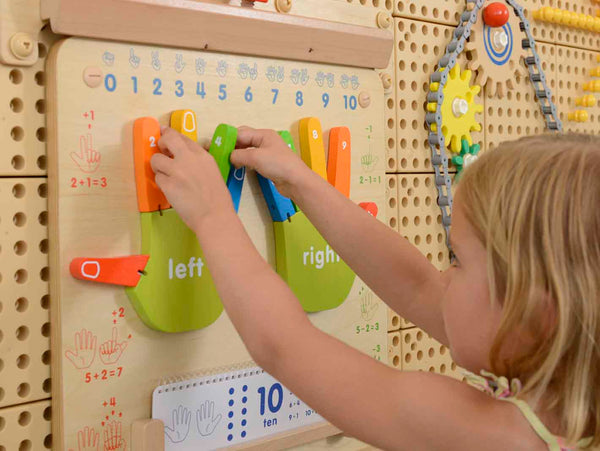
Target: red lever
{"type": "Point", "coordinates": [369, 207]}
{"type": "Point", "coordinates": [124, 271]}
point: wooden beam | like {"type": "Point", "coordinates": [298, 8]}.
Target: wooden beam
{"type": "Point", "coordinates": [222, 28]}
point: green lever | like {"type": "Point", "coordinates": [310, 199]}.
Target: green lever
{"type": "Point", "coordinates": [223, 143]}
{"type": "Point", "coordinates": [287, 138]}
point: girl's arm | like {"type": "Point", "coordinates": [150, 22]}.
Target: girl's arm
{"type": "Point", "coordinates": [361, 396]}
{"type": "Point", "coordinates": [393, 268]}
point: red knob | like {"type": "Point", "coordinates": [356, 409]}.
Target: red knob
{"type": "Point", "coordinates": [495, 14]}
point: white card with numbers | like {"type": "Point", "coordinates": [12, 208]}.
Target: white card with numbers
{"type": "Point", "coordinates": [227, 409]}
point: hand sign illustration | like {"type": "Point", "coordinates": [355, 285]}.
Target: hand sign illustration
{"type": "Point", "coordinates": [88, 439]}
{"type": "Point", "coordinates": [111, 350]}
{"type": "Point", "coordinates": [134, 60]}
{"type": "Point", "coordinates": [87, 158]}
{"type": "Point", "coordinates": [368, 161]}
{"type": "Point", "coordinates": [85, 349]}
{"type": "Point", "coordinates": [367, 306]}
{"type": "Point", "coordinates": [113, 441]}
{"type": "Point", "coordinates": [182, 418]}
{"type": "Point", "coordinates": [206, 421]}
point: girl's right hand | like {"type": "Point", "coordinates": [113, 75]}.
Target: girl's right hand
{"type": "Point", "coordinates": [267, 153]}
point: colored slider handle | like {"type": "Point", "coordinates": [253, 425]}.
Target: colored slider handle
{"type": "Point", "coordinates": [123, 271]}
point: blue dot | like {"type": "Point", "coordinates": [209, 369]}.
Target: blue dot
{"type": "Point", "coordinates": [230, 402]}
{"type": "Point", "coordinates": [230, 426]}
{"type": "Point", "coordinates": [244, 422]}
{"type": "Point", "coordinates": [244, 399]}
{"type": "Point", "coordinates": [244, 411]}
{"type": "Point", "coordinates": [245, 388]}
{"type": "Point", "coordinates": [230, 415]}
{"type": "Point", "coordinates": [231, 390]}
{"type": "Point", "coordinates": [243, 434]}
{"type": "Point", "coordinates": [230, 437]}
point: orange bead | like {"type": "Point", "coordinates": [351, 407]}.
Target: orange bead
{"type": "Point", "coordinates": [495, 14]}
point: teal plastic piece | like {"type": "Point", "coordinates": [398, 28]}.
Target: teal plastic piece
{"type": "Point", "coordinates": [467, 155]}
{"type": "Point", "coordinates": [176, 292]}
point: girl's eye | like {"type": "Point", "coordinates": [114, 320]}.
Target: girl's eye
{"type": "Point", "coordinates": [453, 259]}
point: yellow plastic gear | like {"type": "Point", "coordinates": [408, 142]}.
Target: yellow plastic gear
{"type": "Point", "coordinates": [458, 109]}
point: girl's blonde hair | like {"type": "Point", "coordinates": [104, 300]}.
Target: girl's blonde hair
{"type": "Point", "coordinates": [535, 204]}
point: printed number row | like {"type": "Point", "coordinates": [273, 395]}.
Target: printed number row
{"type": "Point", "coordinates": [110, 83]}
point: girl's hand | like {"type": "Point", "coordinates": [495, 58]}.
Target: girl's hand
{"type": "Point", "coordinates": [265, 152]}
{"type": "Point", "coordinates": [190, 179]}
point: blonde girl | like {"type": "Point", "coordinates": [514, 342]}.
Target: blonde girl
{"type": "Point", "coordinates": [519, 307]}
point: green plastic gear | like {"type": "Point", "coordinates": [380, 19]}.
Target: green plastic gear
{"type": "Point", "coordinates": [468, 154]}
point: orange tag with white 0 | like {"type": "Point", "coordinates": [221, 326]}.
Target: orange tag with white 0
{"type": "Point", "coordinates": [124, 271]}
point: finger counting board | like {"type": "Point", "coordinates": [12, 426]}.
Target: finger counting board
{"type": "Point", "coordinates": [227, 409]}
{"type": "Point", "coordinates": [108, 359]}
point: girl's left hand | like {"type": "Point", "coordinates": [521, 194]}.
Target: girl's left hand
{"type": "Point", "coordinates": [190, 179]}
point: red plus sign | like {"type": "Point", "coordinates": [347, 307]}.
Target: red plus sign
{"type": "Point", "coordinates": [114, 313]}
{"type": "Point", "coordinates": [104, 403]}
{"type": "Point", "coordinates": [85, 115]}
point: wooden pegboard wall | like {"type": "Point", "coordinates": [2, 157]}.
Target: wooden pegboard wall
{"type": "Point", "coordinates": [24, 273]}
{"type": "Point", "coordinates": [572, 72]}
{"type": "Point", "coordinates": [25, 383]}
{"type": "Point", "coordinates": [418, 47]}
{"type": "Point", "coordinates": [23, 106]}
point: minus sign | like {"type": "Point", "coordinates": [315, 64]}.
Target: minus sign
{"type": "Point", "coordinates": [94, 75]}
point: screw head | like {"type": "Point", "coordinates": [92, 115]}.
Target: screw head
{"type": "Point", "coordinates": [500, 39]}
{"type": "Point", "coordinates": [92, 76]}
{"type": "Point", "coordinates": [386, 80]}
{"type": "Point", "coordinates": [364, 99]}
{"type": "Point", "coordinates": [283, 6]}
{"type": "Point", "coordinates": [383, 20]}
{"type": "Point", "coordinates": [22, 45]}
{"type": "Point", "coordinates": [460, 107]}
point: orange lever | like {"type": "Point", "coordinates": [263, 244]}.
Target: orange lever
{"type": "Point", "coordinates": [146, 133]}
{"type": "Point", "coordinates": [124, 271]}
{"type": "Point", "coordinates": [338, 163]}
{"type": "Point", "coordinates": [369, 207]}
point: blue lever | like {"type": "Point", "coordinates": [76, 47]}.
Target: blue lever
{"type": "Point", "coordinates": [280, 207]}
{"type": "Point", "coordinates": [235, 182]}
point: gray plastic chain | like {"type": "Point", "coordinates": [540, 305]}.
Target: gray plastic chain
{"type": "Point", "coordinates": [436, 140]}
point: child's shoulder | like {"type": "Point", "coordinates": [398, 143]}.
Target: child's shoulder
{"type": "Point", "coordinates": [465, 417]}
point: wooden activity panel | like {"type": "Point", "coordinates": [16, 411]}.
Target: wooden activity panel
{"type": "Point", "coordinates": [113, 345]}
{"type": "Point", "coordinates": [106, 350]}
